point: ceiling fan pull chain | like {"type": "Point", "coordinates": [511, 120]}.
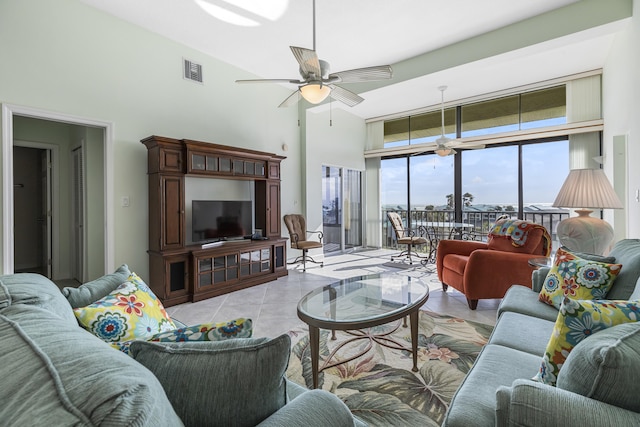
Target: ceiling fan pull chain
{"type": "Point", "coordinates": [330, 111]}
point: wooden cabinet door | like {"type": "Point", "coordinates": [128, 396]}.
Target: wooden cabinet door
{"type": "Point", "coordinates": [166, 212]}
{"type": "Point", "coordinates": [273, 209]}
{"type": "Point", "coordinates": [173, 224]}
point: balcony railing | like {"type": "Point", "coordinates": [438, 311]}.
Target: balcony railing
{"type": "Point", "coordinates": [475, 225]}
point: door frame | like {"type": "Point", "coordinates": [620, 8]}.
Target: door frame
{"type": "Point", "coordinates": [54, 226]}
{"type": "Point", "coordinates": [343, 169]}
{"type": "Point", "coordinates": [8, 112]}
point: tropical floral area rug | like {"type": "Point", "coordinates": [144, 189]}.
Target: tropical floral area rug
{"type": "Point", "coordinates": [379, 387]}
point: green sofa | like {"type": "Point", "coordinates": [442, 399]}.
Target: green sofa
{"type": "Point", "coordinates": [598, 384]}
{"type": "Point", "coordinates": [56, 373]}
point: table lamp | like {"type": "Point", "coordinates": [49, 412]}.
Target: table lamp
{"type": "Point", "coordinates": [586, 189]}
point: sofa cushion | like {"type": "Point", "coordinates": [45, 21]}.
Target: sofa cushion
{"type": "Point", "coordinates": [521, 299]}
{"type": "Point", "coordinates": [636, 292]}
{"type": "Point", "coordinates": [591, 257]}
{"type": "Point", "coordinates": [606, 367]}
{"type": "Point", "coordinates": [474, 403]}
{"type": "Point", "coordinates": [578, 320]}
{"type": "Point", "coordinates": [55, 373]}
{"type": "Point", "coordinates": [577, 278]}
{"type": "Point", "coordinates": [131, 311]}
{"type": "Point", "coordinates": [224, 375]}
{"type": "Point", "coordinates": [92, 291]}
{"type": "Point", "coordinates": [36, 290]}
{"type": "Point", "coordinates": [508, 333]}
{"type": "Point", "coordinates": [627, 253]}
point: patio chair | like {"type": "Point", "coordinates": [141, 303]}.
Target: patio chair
{"type": "Point", "coordinates": [405, 237]}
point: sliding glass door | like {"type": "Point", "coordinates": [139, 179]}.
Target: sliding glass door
{"type": "Point", "coordinates": [341, 208]}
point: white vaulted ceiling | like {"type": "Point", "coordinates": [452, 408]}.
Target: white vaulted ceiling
{"type": "Point", "coordinates": [417, 37]}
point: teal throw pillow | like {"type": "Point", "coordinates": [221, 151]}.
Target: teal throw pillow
{"type": "Point", "coordinates": [94, 290]}
{"type": "Point", "coordinates": [606, 367]}
{"type": "Point", "coordinates": [236, 382]}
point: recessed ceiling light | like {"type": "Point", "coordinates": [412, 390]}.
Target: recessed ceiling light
{"type": "Point", "coordinates": [271, 10]}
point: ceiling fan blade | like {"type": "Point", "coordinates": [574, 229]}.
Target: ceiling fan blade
{"type": "Point", "coordinates": [297, 82]}
{"type": "Point", "coordinates": [308, 60]}
{"type": "Point", "coordinates": [346, 96]}
{"type": "Point", "coordinates": [380, 72]}
{"type": "Point", "coordinates": [466, 146]}
{"type": "Point", "coordinates": [291, 100]}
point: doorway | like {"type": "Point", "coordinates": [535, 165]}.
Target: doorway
{"type": "Point", "coordinates": [32, 177]}
{"type": "Point", "coordinates": [62, 133]}
{"type": "Point", "coordinates": [341, 209]}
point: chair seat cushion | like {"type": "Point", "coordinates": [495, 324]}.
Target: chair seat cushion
{"type": "Point", "coordinates": [455, 262]}
{"type": "Point", "coordinates": [309, 245]}
{"type": "Point", "coordinates": [412, 240]}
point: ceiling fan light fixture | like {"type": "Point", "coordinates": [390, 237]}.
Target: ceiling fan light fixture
{"type": "Point", "coordinates": [315, 93]}
{"type": "Point", "coordinates": [443, 151]}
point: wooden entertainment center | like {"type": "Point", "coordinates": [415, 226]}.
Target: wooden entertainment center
{"type": "Point", "coordinates": [179, 272]}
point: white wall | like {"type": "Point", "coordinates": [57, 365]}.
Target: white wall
{"type": "Point", "coordinates": [69, 58]}
{"type": "Point", "coordinates": [340, 143]}
{"type": "Point", "coordinates": [621, 112]}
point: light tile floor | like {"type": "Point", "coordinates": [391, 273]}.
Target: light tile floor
{"type": "Point", "coordinates": [272, 306]}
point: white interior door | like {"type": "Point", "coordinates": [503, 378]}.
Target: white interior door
{"type": "Point", "coordinates": [78, 210]}
{"type": "Point", "coordinates": [46, 210]}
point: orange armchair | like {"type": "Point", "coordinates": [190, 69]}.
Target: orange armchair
{"type": "Point", "coordinates": [486, 270]}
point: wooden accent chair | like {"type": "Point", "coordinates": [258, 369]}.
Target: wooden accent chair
{"type": "Point", "coordinates": [297, 227]}
{"type": "Point", "coordinates": [486, 270]}
{"type": "Point", "coordinates": [405, 237]}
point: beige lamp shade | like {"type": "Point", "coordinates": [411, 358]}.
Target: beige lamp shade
{"type": "Point", "coordinates": [315, 93]}
{"type": "Point", "coordinates": [586, 189]}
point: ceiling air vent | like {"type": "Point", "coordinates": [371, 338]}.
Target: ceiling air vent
{"type": "Point", "coordinates": [192, 71]}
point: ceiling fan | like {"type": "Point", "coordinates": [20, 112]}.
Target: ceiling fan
{"type": "Point", "coordinates": [444, 145]}
{"type": "Point", "coordinates": [317, 82]}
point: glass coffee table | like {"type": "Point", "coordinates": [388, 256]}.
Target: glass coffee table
{"type": "Point", "coordinates": [359, 303]}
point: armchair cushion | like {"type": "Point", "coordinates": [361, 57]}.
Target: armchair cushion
{"type": "Point", "coordinates": [510, 235]}
{"type": "Point", "coordinates": [239, 382]}
{"type": "Point", "coordinates": [577, 278]}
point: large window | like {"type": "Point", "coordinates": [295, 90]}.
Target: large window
{"type": "Point", "coordinates": [475, 187]}
{"type": "Point", "coordinates": [534, 109]}
{"type": "Point", "coordinates": [490, 179]}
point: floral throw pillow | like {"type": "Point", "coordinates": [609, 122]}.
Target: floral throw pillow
{"type": "Point", "coordinates": [237, 328]}
{"type": "Point", "coordinates": [131, 311]}
{"type": "Point", "coordinates": [577, 278]}
{"type": "Point", "coordinates": [578, 320]}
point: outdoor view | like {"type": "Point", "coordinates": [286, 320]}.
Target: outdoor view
{"type": "Point", "coordinates": [489, 186]}
{"type": "Point", "coordinates": [421, 187]}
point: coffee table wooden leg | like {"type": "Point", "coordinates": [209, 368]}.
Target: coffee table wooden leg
{"type": "Point", "coordinates": [414, 338]}
{"type": "Point", "coordinates": [314, 343]}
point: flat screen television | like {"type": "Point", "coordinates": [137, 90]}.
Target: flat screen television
{"type": "Point", "coordinates": [213, 220]}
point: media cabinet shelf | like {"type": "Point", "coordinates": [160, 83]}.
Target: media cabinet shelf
{"type": "Point", "coordinates": [181, 273]}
